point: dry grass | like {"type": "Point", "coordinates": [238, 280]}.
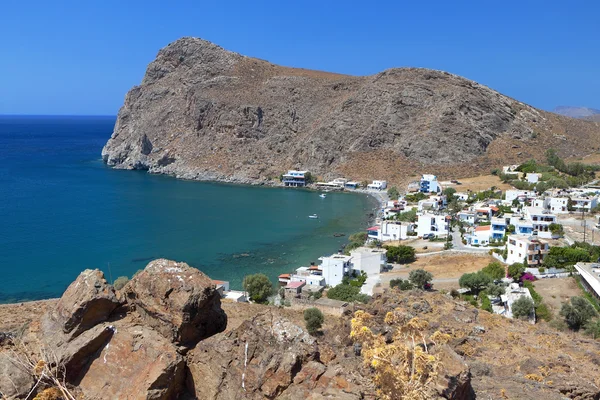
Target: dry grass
{"type": "Point", "coordinates": [445, 266]}
{"type": "Point", "coordinates": [478, 183]}
{"type": "Point", "coordinates": [556, 291]}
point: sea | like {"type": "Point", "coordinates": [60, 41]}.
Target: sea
{"type": "Point", "coordinates": [62, 211]}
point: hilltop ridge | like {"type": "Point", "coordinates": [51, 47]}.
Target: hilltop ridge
{"type": "Point", "coordinates": [203, 112]}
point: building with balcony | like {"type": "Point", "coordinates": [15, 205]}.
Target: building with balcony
{"type": "Point", "coordinates": [390, 231]}
{"type": "Point", "coordinates": [295, 178]}
{"type": "Point", "coordinates": [584, 203]}
{"type": "Point", "coordinates": [334, 268]}
{"type": "Point", "coordinates": [520, 247]}
{"type": "Point", "coordinates": [436, 224]}
{"type": "Point", "coordinates": [480, 237]}
{"type": "Point", "coordinates": [429, 184]}
{"type": "Point", "coordinates": [540, 220]}
{"type": "Point", "coordinates": [498, 228]}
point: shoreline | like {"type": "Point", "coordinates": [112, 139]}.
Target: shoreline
{"type": "Point", "coordinates": [379, 199]}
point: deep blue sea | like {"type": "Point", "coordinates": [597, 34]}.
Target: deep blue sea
{"type": "Point", "coordinates": [62, 210]}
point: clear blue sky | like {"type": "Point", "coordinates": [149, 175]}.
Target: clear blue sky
{"type": "Point", "coordinates": [81, 57]}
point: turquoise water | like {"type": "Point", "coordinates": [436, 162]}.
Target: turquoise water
{"type": "Point", "coordinates": [62, 210]}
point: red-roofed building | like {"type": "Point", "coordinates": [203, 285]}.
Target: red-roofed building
{"type": "Point", "coordinates": [294, 287]}
{"type": "Point", "coordinates": [221, 286]}
{"type": "Point", "coordinates": [284, 279]}
{"type": "Point", "coordinates": [481, 236]}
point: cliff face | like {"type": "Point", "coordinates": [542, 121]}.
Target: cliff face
{"type": "Point", "coordinates": [202, 112]}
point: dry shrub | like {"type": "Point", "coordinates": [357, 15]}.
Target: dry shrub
{"type": "Point", "coordinates": [50, 394]}
{"type": "Point", "coordinates": [534, 377]}
{"type": "Point", "coordinates": [403, 368]}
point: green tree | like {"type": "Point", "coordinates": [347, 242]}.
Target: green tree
{"type": "Point", "coordinates": [522, 307]}
{"type": "Point", "coordinates": [313, 318]}
{"type": "Point", "coordinates": [120, 282]}
{"type": "Point", "coordinates": [475, 281]}
{"type": "Point", "coordinates": [449, 192]}
{"type": "Point", "coordinates": [407, 216]}
{"type": "Point", "coordinates": [347, 292]}
{"type": "Point", "coordinates": [258, 286]}
{"type": "Point", "coordinates": [556, 229]}
{"type": "Point", "coordinates": [495, 270]}
{"type": "Point", "coordinates": [420, 278]}
{"type": "Point", "coordinates": [400, 254]}
{"type": "Point", "coordinates": [516, 270]}
{"type": "Point", "coordinates": [393, 193]}
{"type": "Point", "coordinates": [578, 312]}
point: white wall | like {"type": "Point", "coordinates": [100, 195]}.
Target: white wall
{"type": "Point", "coordinates": [367, 260]}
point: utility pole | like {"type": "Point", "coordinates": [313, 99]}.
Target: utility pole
{"type": "Point", "coordinates": [583, 222]}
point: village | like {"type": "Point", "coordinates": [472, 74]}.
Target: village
{"type": "Point", "coordinates": [511, 229]}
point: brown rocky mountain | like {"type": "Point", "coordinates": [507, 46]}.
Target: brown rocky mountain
{"type": "Point", "coordinates": [166, 335]}
{"type": "Point", "coordinates": [202, 112]}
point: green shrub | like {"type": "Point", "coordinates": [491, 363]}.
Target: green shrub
{"type": "Point", "coordinates": [475, 281]}
{"type": "Point", "coordinates": [543, 312]}
{"type": "Point", "coordinates": [313, 318]}
{"type": "Point", "coordinates": [401, 284]}
{"type": "Point", "coordinates": [522, 307]}
{"type": "Point", "coordinates": [120, 282]}
{"type": "Point", "coordinates": [347, 292]}
{"type": "Point", "coordinates": [454, 293]}
{"type": "Point", "coordinates": [486, 304]}
{"type": "Point", "coordinates": [592, 328]}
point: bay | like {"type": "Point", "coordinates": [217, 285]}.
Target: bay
{"type": "Point", "coordinates": [62, 210]}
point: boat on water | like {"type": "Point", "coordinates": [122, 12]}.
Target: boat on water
{"type": "Point", "coordinates": [313, 216]}
{"type": "Point", "coordinates": [322, 195]}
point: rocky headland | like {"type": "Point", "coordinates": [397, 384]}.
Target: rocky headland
{"type": "Point", "coordinates": [202, 112]}
{"type": "Point", "coordinates": [166, 335]}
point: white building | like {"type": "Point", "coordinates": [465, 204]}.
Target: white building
{"type": "Point", "coordinates": [367, 260]}
{"type": "Point", "coordinates": [467, 217]}
{"type": "Point", "coordinates": [429, 184]}
{"type": "Point", "coordinates": [498, 228]}
{"type": "Point", "coordinates": [557, 205]}
{"type": "Point", "coordinates": [584, 203]}
{"type": "Point", "coordinates": [540, 220]}
{"type": "Point", "coordinates": [461, 196]}
{"type": "Point", "coordinates": [521, 246]}
{"type": "Point", "coordinates": [377, 185]}
{"type": "Point", "coordinates": [590, 277]}
{"type": "Point", "coordinates": [334, 268]}
{"type": "Point", "coordinates": [428, 223]}
{"type": "Point", "coordinates": [519, 195]}
{"type": "Point", "coordinates": [310, 275]}
{"type": "Point", "coordinates": [533, 178]}
{"type": "Point", "coordinates": [390, 230]}
{"type": "Point", "coordinates": [480, 236]}
{"type": "Point", "coordinates": [295, 178]}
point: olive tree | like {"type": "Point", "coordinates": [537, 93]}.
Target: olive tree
{"type": "Point", "coordinates": [420, 278]}
{"type": "Point", "coordinates": [259, 287]}
{"type": "Point", "coordinates": [313, 317]}
{"type": "Point", "coordinates": [522, 307]}
{"type": "Point", "coordinates": [578, 312]}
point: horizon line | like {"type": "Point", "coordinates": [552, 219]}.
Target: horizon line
{"type": "Point", "coordinates": [58, 115]}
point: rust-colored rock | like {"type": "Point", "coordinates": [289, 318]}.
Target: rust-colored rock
{"type": "Point", "coordinates": [176, 300]}
{"type": "Point", "coordinates": [87, 301]}
{"type": "Point", "coordinates": [137, 363]}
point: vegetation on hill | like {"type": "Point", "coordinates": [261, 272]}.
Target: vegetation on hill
{"type": "Point", "coordinates": [258, 286]}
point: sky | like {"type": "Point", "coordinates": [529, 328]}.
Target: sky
{"type": "Point", "coordinates": [81, 57]}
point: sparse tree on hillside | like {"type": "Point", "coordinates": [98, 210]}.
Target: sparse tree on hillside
{"type": "Point", "coordinates": [420, 278]}
{"type": "Point", "coordinates": [475, 281]}
{"type": "Point", "coordinates": [313, 317]}
{"type": "Point", "coordinates": [393, 193]}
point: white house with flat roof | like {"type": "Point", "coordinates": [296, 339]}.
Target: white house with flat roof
{"type": "Point", "coordinates": [295, 178]}
{"type": "Point", "coordinates": [480, 237]}
{"type": "Point", "coordinates": [498, 228]}
{"type": "Point", "coordinates": [390, 231]}
{"type": "Point", "coordinates": [334, 268]}
{"type": "Point", "coordinates": [540, 220]}
{"type": "Point", "coordinates": [520, 247]}
{"type": "Point", "coordinates": [429, 184]}
{"type": "Point", "coordinates": [533, 177]}
{"type": "Point", "coordinates": [557, 205]}
{"type": "Point", "coordinates": [590, 277]}
{"type": "Point", "coordinates": [428, 223]}
{"type": "Point", "coordinates": [520, 195]}
{"type": "Point", "coordinates": [584, 203]}
{"type": "Point", "coordinates": [512, 293]}
{"type": "Point", "coordinates": [368, 260]}
{"type": "Point", "coordinates": [377, 185]}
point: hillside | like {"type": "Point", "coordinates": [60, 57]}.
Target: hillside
{"type": "Point", "coordinates": [576, 112]}
{"type": "Point", "coordinates": [165, 335]}
{"type": "Point", "coordinates": [202, 112]}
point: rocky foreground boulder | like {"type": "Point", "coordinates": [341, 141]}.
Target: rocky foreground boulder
{"type": "Point", "coordinates": [202, 112]}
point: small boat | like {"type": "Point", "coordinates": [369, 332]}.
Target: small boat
{"type": "Point", "coordinates": [322, 195]}
{"type": "Point", "coordinates": [313, 216]}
